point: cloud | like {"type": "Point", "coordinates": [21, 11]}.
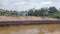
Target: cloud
{"type": "Point", "coordinates": [26, 4]}
{"type": "Point", "coordinates": [4, 1]}
{"type": "Point", "coordinates": [29, 5]}
{"type": "Point", "coordinates": [46, 4]}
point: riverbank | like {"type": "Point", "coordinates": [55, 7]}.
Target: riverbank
{"type": "Point", "coordinates": [24, 18]}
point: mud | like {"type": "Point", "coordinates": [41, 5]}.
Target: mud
{"type": "Point", "coordinates": [18, 23]}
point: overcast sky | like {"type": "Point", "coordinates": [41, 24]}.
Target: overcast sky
{"type": "Point", "coordinates": [28, 4]}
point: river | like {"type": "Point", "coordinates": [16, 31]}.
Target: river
{"type": "Point", "coordinates": [31, 29]}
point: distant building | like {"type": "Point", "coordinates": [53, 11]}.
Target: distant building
{"type": "Point", "coordinates": [23, 13]}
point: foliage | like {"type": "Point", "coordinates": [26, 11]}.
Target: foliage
{"type": "Point", "coordinates": [55, 15]}
{"type": "Point", "coordinates": [50, 12]}
{"type": "Point", "coordinates": [52, 9]}
{"type": "Point", "coordinates": [30, 12]}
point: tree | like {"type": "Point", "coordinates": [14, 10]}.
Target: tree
{"type": "Point", "coordinates": [7, 13]}
{"type": "Point", "coordinates": [52, 10]}
{"type": "Point", "coordinates": [30, 12]}
{"type": "Point", "coordinates": [43, 12]}
{"type": "Point", "coordinates": [36, 13]}
{"type": "Point", "coordinates": [15, 13]}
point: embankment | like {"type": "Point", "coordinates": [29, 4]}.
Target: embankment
{"type": "Point", "coordinates": [35, 22]}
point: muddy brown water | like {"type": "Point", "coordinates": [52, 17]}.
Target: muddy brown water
{"type": "Point", "coordinates": [31, 29]}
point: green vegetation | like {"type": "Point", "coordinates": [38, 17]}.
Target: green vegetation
{"type": "Point", "coordinates": [49, 12]}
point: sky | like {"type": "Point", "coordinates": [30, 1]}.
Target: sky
{"type": "Point", "coordinates": [27, 4]}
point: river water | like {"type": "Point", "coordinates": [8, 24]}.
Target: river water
{"type": "Point", "coordinates": [31, 29]}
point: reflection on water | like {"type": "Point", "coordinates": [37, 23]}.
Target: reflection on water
{"type": "Point", "coordinates": [28, 31]}
{"type": "Point", "coordinates": [33, 29]}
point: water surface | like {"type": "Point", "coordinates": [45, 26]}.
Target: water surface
{"type": "Point", "coordinates": [31, 29]}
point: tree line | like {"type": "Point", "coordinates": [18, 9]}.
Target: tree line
{"type": "Point", "coordinates": [49, 12]}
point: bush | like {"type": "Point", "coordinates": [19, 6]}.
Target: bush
{"type": "Point", "coordinates": [55, 15]}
